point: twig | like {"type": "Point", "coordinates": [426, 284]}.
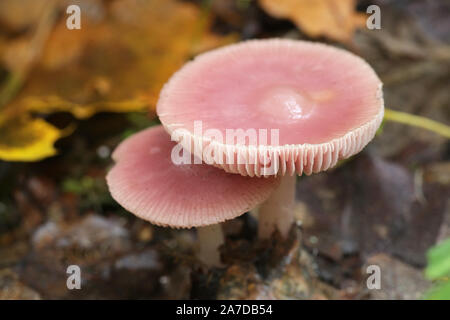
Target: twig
{"type": "Point", "coordinates": [417, 121]}
{"type": "Point", "coordinates": [12, 86]}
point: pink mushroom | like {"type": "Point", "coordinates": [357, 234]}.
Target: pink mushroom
{"type": "Point", "coordinates": [322, 104]}
{"type": "Point", "coordinates": [146, 182]}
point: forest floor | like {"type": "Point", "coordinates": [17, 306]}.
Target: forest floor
{"type": "Point", "coordinates": [386, 206]}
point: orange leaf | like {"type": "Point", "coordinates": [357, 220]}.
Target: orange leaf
{"type": "Point", "coordinates": [117, 62]}
{"type": "Point", "coordinates": [335, 19]}
{"type": "Point", "coordinates": [127, 56]}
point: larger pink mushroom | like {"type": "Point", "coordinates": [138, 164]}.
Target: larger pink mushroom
{"type": "Point", "coordinates": [318, 104]}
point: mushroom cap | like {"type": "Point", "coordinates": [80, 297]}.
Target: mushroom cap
{"type": "Point", "coordinates": [324, 103]}
{"type": "Point", "coordinates": [146, 182]}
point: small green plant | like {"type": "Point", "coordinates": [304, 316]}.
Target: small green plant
{"type": "Point", "coordinates": [92, 191]}
{"type": "Point", "coordinates": [138, 122]}
{"type": "Point", "coordinates": [438, 271]}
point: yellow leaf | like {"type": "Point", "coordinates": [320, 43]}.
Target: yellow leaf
{"type": "Point", "coordinates": [19, 14]}
{"type": "Point", "coordinates": [116, 63]}
{"type": "Point", "coordinates": [53, 104]}
{"type": "Point", "coordinates": [335, 19]}
{"type": "Point", "coordinates": [27, 139]}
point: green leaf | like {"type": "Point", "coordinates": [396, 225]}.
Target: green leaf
{"type": "Point", "coordinates": [438, 261]}
{"type": "Point", "coordinates": [440, 292]}
{"type": "Point", "coordinates": [72, 185]}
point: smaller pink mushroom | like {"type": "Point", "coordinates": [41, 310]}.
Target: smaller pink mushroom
{"type": "Point", "coordinates": [146, 182]}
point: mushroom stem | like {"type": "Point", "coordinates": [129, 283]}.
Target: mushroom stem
{"type": "Point", "coordinates": [277, 212]}
{"type": "Point", "coordinates": [210, 238]}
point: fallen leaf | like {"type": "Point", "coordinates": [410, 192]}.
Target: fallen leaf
{"type": "Point", "coordinates": [336, 20]}
{"type": "Point", "coordinates": [135, 50]}
{"type": "Point", "coordinates": [117, 62]}
{"type": "Point", "coordinates": [53, 104]}
{"type": "Point", "coordinates": [27, 139]}
{"type": "Point", "coordinates": [19, 14]}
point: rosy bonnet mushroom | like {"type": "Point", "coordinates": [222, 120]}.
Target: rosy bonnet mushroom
{"type": "Point", "coordinates": [273, 108]}
{"type": "Point", "coordinates": [146, 182]}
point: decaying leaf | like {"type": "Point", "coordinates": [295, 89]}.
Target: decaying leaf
{"type": "Point", "coordinates": [27, 139]}
{"type": "Point", "coordinates": [336, 20]}
{"type": "Point", "coordinates": [117, 62]}
{"type": "Point", "coordinates": [54, 104]}
{"type": "Point", "coordinates": [19, 14]}
{"type": "Point", "coordinates": [127, 58]}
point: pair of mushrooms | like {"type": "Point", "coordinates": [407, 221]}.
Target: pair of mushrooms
{"type": "Point", "coordinates": [324, 103]}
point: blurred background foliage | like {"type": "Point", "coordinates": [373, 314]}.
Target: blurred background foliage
{"type": "Point", "coordinates": [68, 97]}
